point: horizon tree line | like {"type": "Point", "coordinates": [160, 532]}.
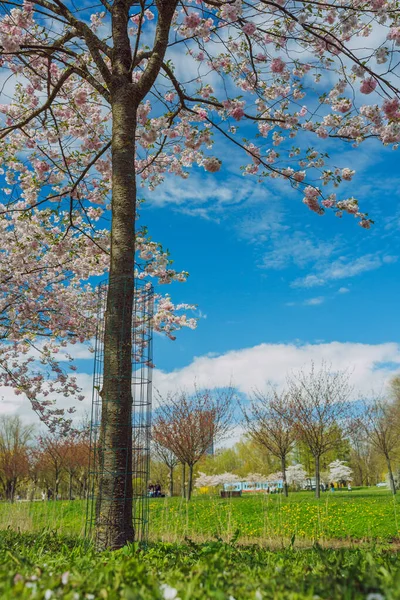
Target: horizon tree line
{"type": "Point", "coordinates": [312, 418]}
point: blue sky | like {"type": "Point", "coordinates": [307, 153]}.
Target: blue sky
{"type": "Point", "coordinates": [265, 269]}
{"type": "Point", "coordinates": [276, 285]}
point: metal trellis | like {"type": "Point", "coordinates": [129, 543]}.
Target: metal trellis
{"type": "Point", "coordinates": [141, 377]}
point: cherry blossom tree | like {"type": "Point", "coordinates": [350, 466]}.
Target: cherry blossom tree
{"type": "Point", "coordinates": [296, 476]}
{"type": "Point", "coordinates": [203, 480]}
{"type": "Point", "coordinates": [99, 104]}
{"type": "Point", "coordinates": [256, 478]}
{"type": "Point", "coordinates": [275, 476]}
{"type": "Point", "coordinates": [339, 471]}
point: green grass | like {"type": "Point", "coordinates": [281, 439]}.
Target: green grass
{"type": "Point", "coordinates": [46, 566]}
{"type": "Point", "coordinates": [256, 547]}
{"type": "Point", "coordinates": [360, 515]}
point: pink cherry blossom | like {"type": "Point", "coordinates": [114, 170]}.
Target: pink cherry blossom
{"type": "Point", "coordinates": [368, 85]}
{"type": "Point", "coordinates": [249, 28]}
{"type": "Point", "coordinates": [211, 164]}
{"type": "Point", "coordinates": [277, 65]}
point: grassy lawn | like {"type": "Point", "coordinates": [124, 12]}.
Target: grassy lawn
{"type": "Point", "coordinates": [46, 566]}
{"type": "Point", "coordinates": [255, 547]}
{"type": "Point", "coordinates": [363, 514]}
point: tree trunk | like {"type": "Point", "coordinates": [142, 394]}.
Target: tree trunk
{"type": "Point", "coordinates": [190, 483]}
{"type": "Point", "coordinates": [317, 478]}
{"type": "Point", "coordinates": [184, 480]}
{"type": "Point", "coordinates": [10, 490]}
{"type": "Point", "coordinates": [56, 485]}
{"type": "Point", "coordinates": [391, 478]}
{"type": "Point", "coordinates": [70, 486]}
{"type": "Point", "coordinates": [171, 481]}
{"type": "Point", "coordinates": [283, 467]}
{"type": "Point", "coordinates": [114, 527]}
{"type": "Point", "coordinates": [32, 492]}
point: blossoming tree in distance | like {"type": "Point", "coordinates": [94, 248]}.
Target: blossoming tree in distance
{"type": "Point", "coordinates": [98, 101]}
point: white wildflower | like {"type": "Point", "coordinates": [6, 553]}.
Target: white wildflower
{"type": "Point", "coordinates": [168, 592]}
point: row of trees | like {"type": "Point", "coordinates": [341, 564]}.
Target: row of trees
{"type": "Point", "coordinates": [312, 422]}
{"type": "Point", "coordinates": [313, 418]}
{"type": "Point", "coordinates": [52, 465]}
{"type": "Point", "coordinates": [295, 476]}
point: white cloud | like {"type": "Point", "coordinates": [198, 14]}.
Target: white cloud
{"type": "Point", "coordinates": [343, 290]}
{"type": "Point", "coordinates": [344, 269]}
{"type": "Point", "coordinates": [388, 259]}
{"type": "Point", "coordinates": [314, 301]}
{"type": "Point", "coordinates": [298, 249]}
{"type": "Point", "coordinates": [371, 366]}
{"type": "Point", "coordinates": [202, 189]}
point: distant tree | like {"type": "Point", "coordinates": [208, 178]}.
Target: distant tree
{"type": "Point", "coordinates": [256, 478]}
{"type": "Point", "coordinates": [75, 455]}
{"type": "Point", "coordinates": [266, 420]}
{"type": "Point", "coordinates": [340, 472]}
{"type": "Point", "coordinates": [188, 424]}
{"type": "Point", "coordinates": [14, 454]}
{"type": "Point", "coordinates": [380, 425]}
{"type": "Point", "coordinates": [35, 471]}
{"type": "Point", "coordinates": [296, 476]}
{"type": "Point", "coordinates": [364, 459]}
{"type": "Point", "coordinates": [254, 458]}
{"type": "Point", "coordinates": [165, 455]}
{"type": "Point", "coordinates": [206, 481]}
{"type": "Point", "coordinates": [55, 451]}
{"type": "Point", "coordinates": [319, 410]}
{"type": "Point", "coordinates": [394, 390]}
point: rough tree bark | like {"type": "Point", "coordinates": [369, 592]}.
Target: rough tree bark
{"type": "Point", "coordinates": [114, 510]}
{"type": "Point", "coordinates": [114, 527]}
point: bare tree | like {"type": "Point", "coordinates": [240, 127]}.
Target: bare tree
{"type": "Point", "coordinates": [394, 390]}
{"type": "Point", "coordinates": [55, 450]}
{"type": "Point", "coordinates": [14, 459]}
{"type": "Point", "coordinates": [76, 459]}
{"type": "Point", "coordinates": [166, 456]}
{"type": "Point", "coordinates": [319, 410]}
{"type": "Point", "coordinates": [380, 424]}
{"type": "Point", "coordinates": [188, 424]}
{"type": "Point", "coordinates": [266, 420]}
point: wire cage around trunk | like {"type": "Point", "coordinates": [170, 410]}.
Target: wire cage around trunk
{"type": "Point", "coordinates": [119, 471]}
